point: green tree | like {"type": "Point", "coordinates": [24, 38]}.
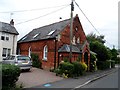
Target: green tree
{"type": "Point", "coordinates": [93, 37]}
{"type": "Point", "coordinates": [103, 53]}
{"type": "Point", "coordinates": [114, 53]}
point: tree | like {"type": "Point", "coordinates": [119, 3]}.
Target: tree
{"type": "Point", "coordinates": [114, 53]}
{"type": "Point", "coordinates": [93, 37]}
{"type": "Point", "coordinates": [103, 53]}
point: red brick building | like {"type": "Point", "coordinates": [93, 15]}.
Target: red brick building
{"type": "Point", "coordinates": [52, 43]}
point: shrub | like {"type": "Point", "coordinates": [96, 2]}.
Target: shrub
{"type": "Point", "coordinates": [10, 74]}
{"type": "Point", "coordinates": [103, 65]}
{"type": "Point", "coordinates": [35, 61]}
{"type": "Point", "coordinates": [79, 68]}
{"type": "Point", "coordinates": [66, 68]}
{"type": "Point", "coordinates": [117, 60]}
{"type": "Point", "coordinates": [84, 66]}
{"type": "Point", "coordinates": [65, 59]}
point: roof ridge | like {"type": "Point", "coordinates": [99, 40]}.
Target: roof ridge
{"type": "Point", "coordinates": [51, 24]}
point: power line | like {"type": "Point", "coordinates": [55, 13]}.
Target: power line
{"type": "Point", "coordinates": [43, 15]}
{"type": "Point", "coordinates": [89, 21]}
{"type": "Point", "coordinates": [34, 9]}
{"type": "Point", "coordinates": [87, 18]}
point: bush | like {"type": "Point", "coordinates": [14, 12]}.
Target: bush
{"type": "Point", "coordinates": [117, 60]}
{"type": "Point", "coordinates": [102, 65]}
{"type": "Point", "coordinates": [35, 61]}
{"type": "Point", "coordinates": [79, 68]}
{"type": "Point", "coordinates": [66, 68]}
{"type": "Point", "coordinates": [10, 74]}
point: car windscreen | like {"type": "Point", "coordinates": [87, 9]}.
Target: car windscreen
{"type": "Point", "coordinates": [10, 58]}
{"type": "Point", "coordinates": [23, 58]}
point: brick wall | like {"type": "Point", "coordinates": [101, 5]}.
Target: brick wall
{"type": "Point", "coordinates": [38, 46]}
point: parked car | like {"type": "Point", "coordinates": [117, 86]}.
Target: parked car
{"type": "Point", "coordinates": [24, 62]}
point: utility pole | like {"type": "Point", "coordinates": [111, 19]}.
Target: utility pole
{"type": "Point", "coordinates": [71, 28]}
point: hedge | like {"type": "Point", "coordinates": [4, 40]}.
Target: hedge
{"type": "Point", "coordinates": [105, 64]}
{"type": "Point", "coordinates": [73, 69]}
{"type": "Point", "coordinates": [10, 74]}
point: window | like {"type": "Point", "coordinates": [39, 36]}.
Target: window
{"type": "Point", "coordinates": [9, 52]}
{"type": "Point", "coordinates": [2, 37]}
{"type": "Point", "coordinates": [51, 32]}
{"type": "Point", "coordinates": [4, 52]}
{"type": "Point", "coordinates": [74, 40]}
{"type": "Point", "coordinates": [78, 40]}
{"type": "Point", "coordinates": [36, 35]}
{"type": "Point", "coordinates": [24, 38]}
{"type": "Point", "coordinates": [76, 29]}
{"type": "Point", "coordinates": [7, 38]}
{"type": "Point", "coordinates": [45, 52]}
{"type": "Point", "coordinates": [29, 52]}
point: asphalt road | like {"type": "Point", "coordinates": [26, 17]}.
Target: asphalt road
{"type": "Point", "coordinates": [110, 81]}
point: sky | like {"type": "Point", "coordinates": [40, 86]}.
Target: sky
{"type": "Point", "coordinates": [37, 13]}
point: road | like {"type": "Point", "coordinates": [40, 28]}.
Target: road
{"type": "Point", "coordinates": [110, 81]}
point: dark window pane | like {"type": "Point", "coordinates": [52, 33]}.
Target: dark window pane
{"type": "Point", "coordinates": [2, 38]}
{"type": "Point", "coordinates": [4, 52]}
{"type": "Point", "coordinates": [7, 38]}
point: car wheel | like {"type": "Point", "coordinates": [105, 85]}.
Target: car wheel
{"type": "Point", "coordinates": [28, 70]}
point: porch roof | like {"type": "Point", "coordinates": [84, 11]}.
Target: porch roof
{"type": "Point", "coordinates": [66, 48]}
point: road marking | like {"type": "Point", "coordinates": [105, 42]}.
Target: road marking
{"type": "Point", "coordinates": [47, 85]}
{"type": "Point", "coordinates": [94, 79]}
{"type": "Point", "coordinates": [81, 85]}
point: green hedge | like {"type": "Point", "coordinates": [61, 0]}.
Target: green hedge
{"type": "Point", "coordinates": [68, 69]}
{"type": "Point", "coordinates": [105, 64]}
{"type": "Point", "coordinates": [10, 74]}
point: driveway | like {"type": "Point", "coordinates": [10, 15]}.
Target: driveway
{"type": "Point", "coordinates": [37, 77]}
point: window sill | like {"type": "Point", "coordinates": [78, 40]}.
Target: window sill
{"type": "Point", "coordinates": [44, 59]}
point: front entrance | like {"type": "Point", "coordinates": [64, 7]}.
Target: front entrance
{"type": "Point", "coordinates": [86, 58]}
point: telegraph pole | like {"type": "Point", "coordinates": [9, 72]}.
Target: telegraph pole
{"type": "Point", "coordinates": [71, 28]}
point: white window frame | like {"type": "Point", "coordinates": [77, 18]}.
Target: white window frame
{"type": "Point", "coordinates": [74, 40]}
{"type": "Point", "coordinates": [45, 52]}
{"type": "Point", "coordinates": [6, 52]}
{"type": "Point", "coordinates": [78, 40]}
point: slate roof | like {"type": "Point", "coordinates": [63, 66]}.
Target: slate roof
{"type": "Point", "coordinates": [5, 27]}
{"type": "Point", "coordinates": [45, 32]}
{"type": "Point", "coordinates": [66, 48]}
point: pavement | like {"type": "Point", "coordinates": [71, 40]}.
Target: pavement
{"type": "Point", "coordinates": [37, 77]}
{"type": "Point", "coordinates": [48, 79]}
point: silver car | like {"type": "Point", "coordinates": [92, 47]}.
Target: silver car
{"type": "Point", "coordinates": [24, 62]}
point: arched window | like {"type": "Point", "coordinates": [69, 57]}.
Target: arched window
{"type": "Point", "coordinates": [74, 42]}
{"type": "Point", "coordinates": [45, 52]}
{"type": "Point", "coordinates": [78, 40]}
{"type": "Point", "coordinates": [29, 52]}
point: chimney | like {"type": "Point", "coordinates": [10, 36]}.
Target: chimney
{"type": "Point", "coordinates": [12, 22]}
{"type": "Point", "coordinates": [76, 15]}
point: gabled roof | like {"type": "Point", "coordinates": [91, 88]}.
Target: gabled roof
{"type": "Point", "coordinates": [66, 48]}
{"type": "Point", "coordinates": [5, 27]}
{"type": "Point", "coordinates": [45, 32]}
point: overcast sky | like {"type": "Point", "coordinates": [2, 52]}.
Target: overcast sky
{"type": "Point", "coordinates": [102, 13]}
